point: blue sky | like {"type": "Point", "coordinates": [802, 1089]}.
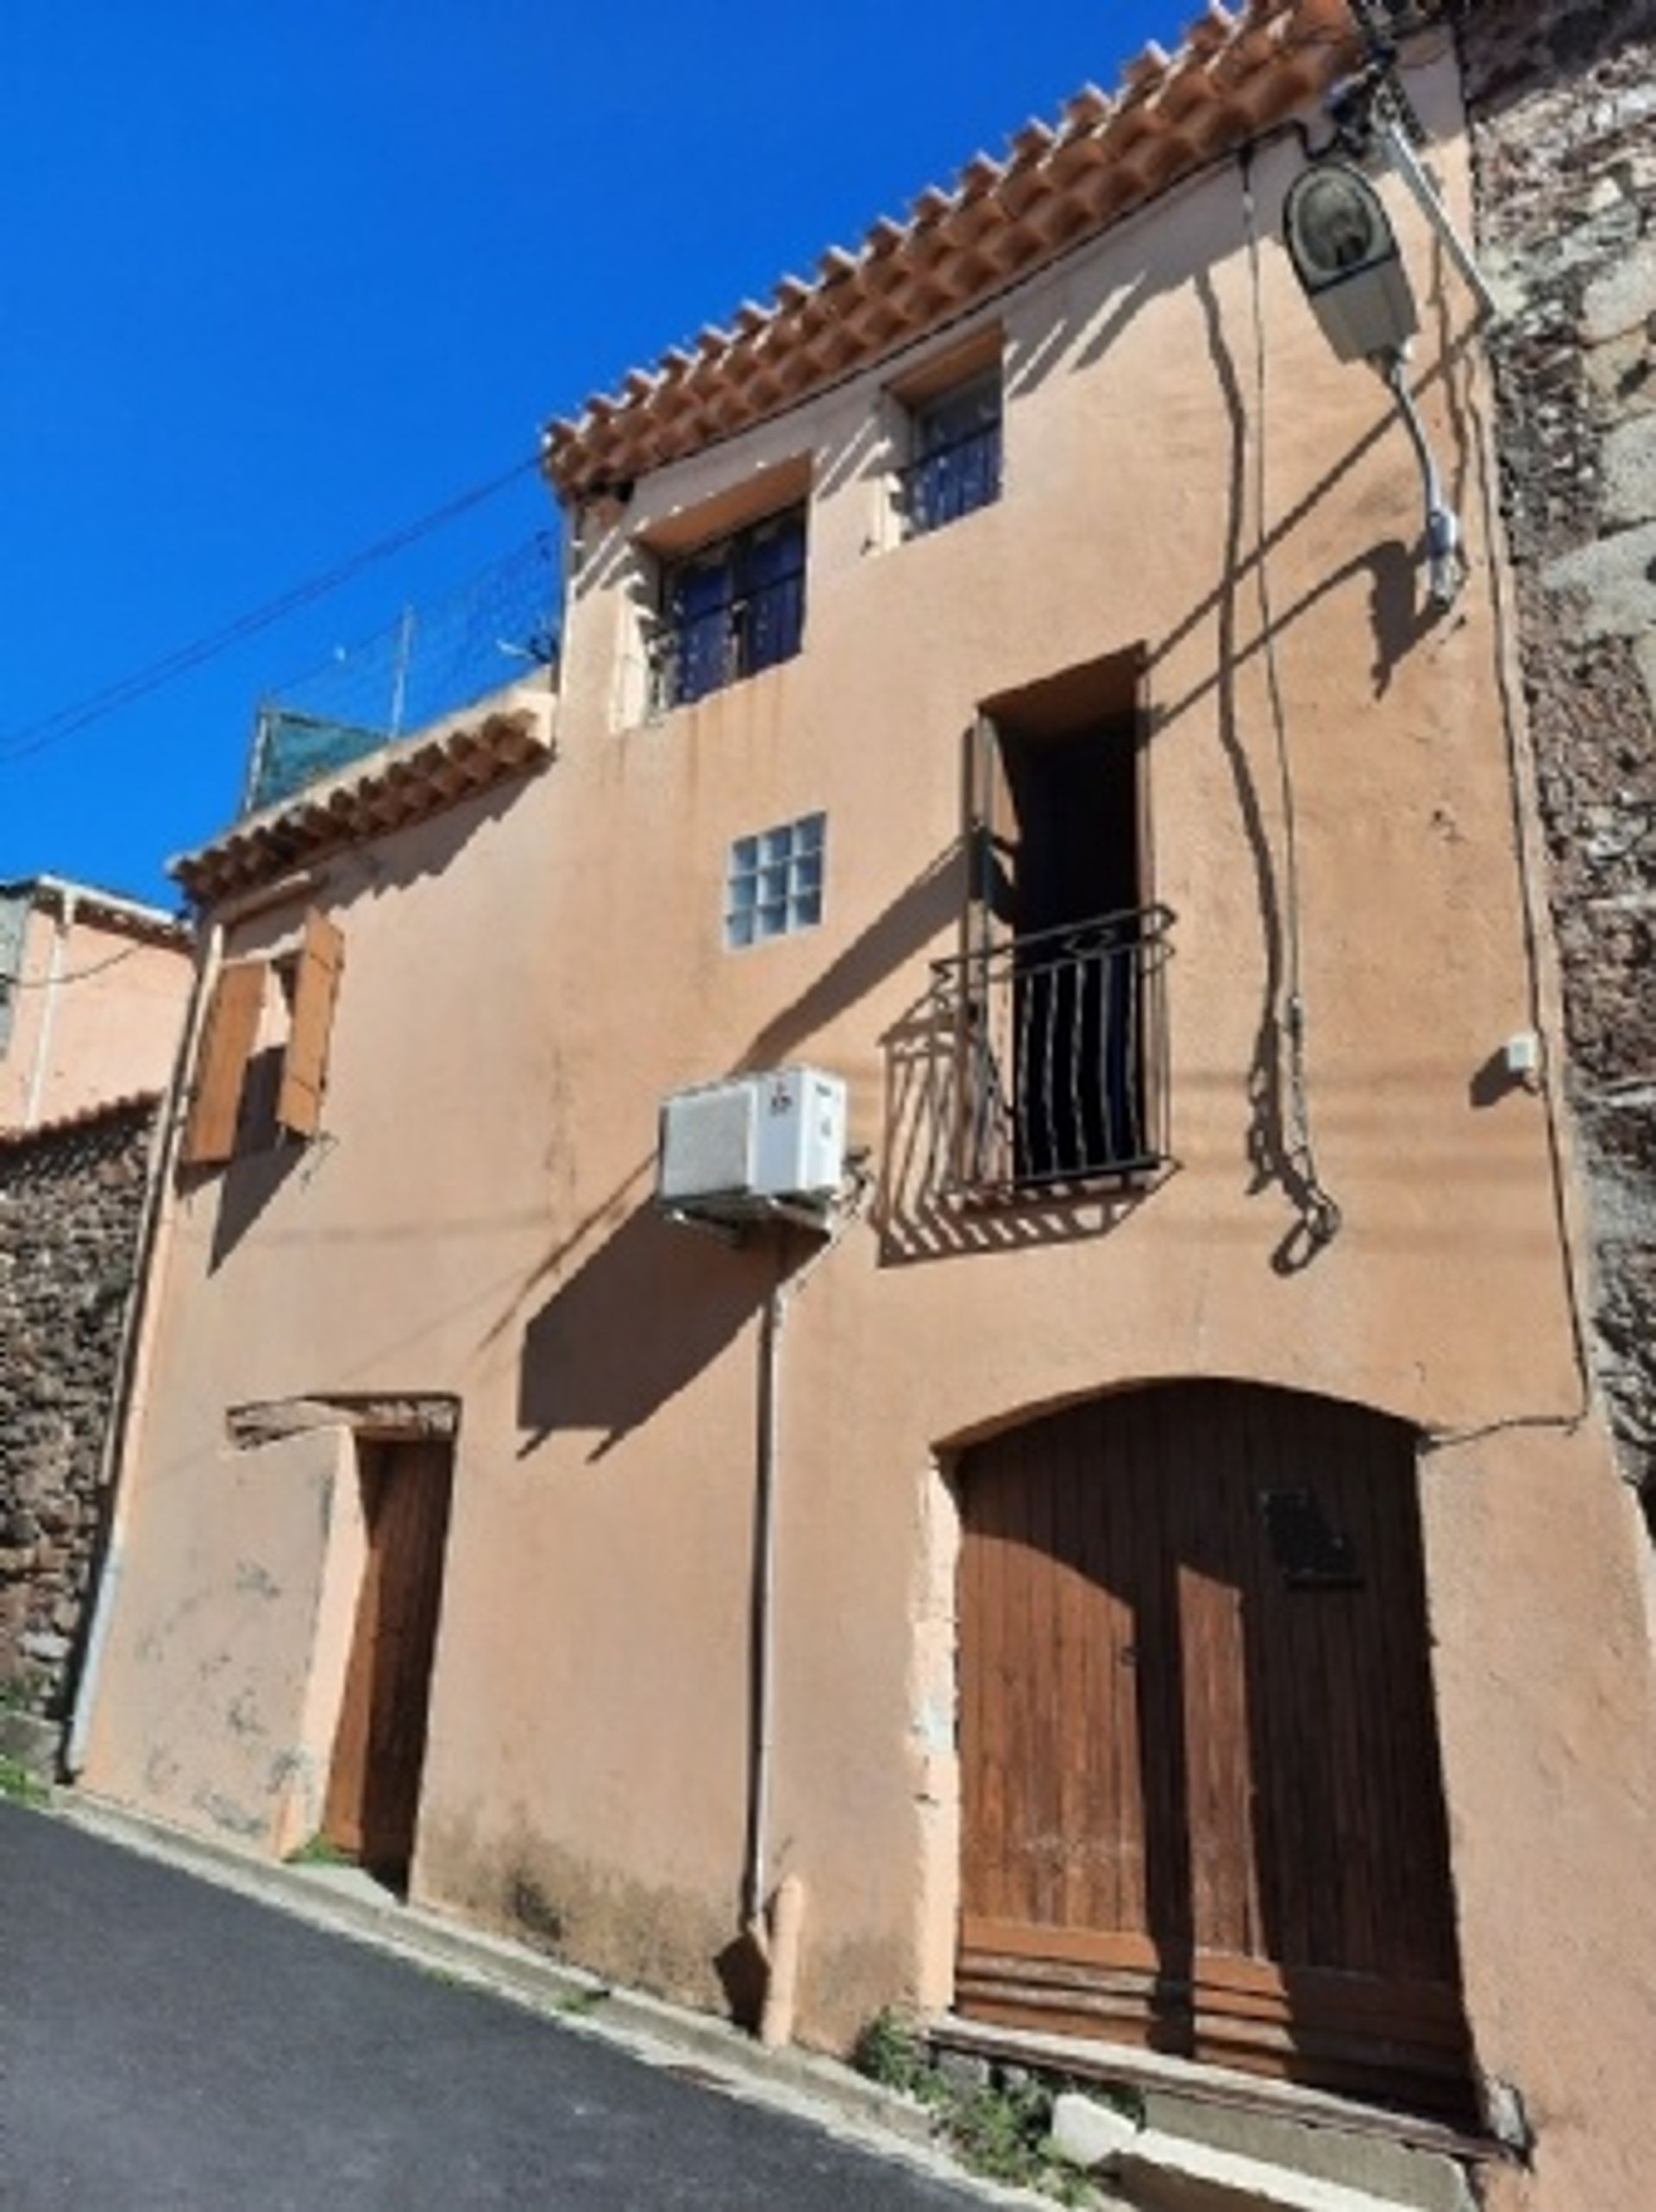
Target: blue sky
{"type": "Point", "coordinates": [278, 281]}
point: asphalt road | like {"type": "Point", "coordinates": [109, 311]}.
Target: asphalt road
{"type": "Point", "coordinates": [168, 2046]}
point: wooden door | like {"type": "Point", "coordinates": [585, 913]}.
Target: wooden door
{"type": "Point", "coordinates": [374, 1787]}
{"type": "Point", "coordinates": [1202, 1803]}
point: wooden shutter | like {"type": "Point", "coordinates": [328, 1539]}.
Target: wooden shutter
{"type": "Point", "coordinates": [305, 1065]}
{"type": "Point", "coordinates": [226, 1039]}
{"type": "Point", "coordinates": [987, 830]}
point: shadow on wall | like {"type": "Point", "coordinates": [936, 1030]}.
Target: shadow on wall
{"type": "Point", "coordinates": [264, 1159]}
{"type": "Point", "coordinates": [895, 940]}
{"type": "Point", "coordinates": [865, 451]}
{"type": "Point", "coordinates": [402, 857]}
{"type": "Point", "coordinates": [640, 1314]}
{"type": "Point", "coordinates": [920, 1213]}
{"type": "Point", "coordinates": [639, 1319]}
{"type": "Point", "coordinates": [1276, 1155]}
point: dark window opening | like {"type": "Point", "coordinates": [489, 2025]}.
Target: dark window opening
{"type": "Point", "coordinates": [955, 449]}
{"type": "Point", "coordinates": [1057, 996]}
{"type": "Point", "coordinates": [732, 608]}
{"type": "Point", "coordinates": [1072, 900]}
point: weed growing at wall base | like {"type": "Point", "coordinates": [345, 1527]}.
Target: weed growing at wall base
{"type": "Point", "coordinates": [22, 1787]}
{"type": "Point", "coordinates": [317, 1851]}
{"type": "Point", "coordinates": [1000, 2127]}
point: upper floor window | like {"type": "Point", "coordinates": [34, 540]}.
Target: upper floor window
{"type": "Point", "coordinates": [954, 445]}
{"type": "Point", "coordinates": [731, 607]}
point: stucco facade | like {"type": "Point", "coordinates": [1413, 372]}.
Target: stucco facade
{"type": "Point", "coordinates": [528, 973]}
{"type": "Point", "coordinates": [94, 989]}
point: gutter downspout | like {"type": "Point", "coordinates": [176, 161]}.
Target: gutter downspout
{"type": "Point", "coordinates": [762, 1622]}
{"type": "Point", "coordinates": [65, 922]}
{"type": "Point", "coordinates": [774, 1925]}
{"type": "Point", "coordinates": [130, 1387]}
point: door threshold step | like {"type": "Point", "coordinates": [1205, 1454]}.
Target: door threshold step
{"type": "Point", "coordinates": [1161, 2172]}
{"type": "Point", "coordinates": [1307, 2135]}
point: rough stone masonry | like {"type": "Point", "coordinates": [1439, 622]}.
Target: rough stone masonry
{"type": "Point", "coordinates": [71, 1200]}
{"type": "Point", "coordinates": [1561, 95]}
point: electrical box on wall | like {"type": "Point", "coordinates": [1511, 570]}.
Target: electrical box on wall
{"type": "Point", "coordinates": [755, 1144]}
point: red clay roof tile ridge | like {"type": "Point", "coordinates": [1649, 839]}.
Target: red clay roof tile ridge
{"type": "Point", "coordinates": [662, 413]}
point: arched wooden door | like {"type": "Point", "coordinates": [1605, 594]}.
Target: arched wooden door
{"type": "Point", "coordinates": [1202, 1803]}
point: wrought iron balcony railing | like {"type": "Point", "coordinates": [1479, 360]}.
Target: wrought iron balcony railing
{"type": "Point", "coordinates": [1060, 1048]}
{"type": "Point", "coordinates": [693, 655]}
{"type": "Point", "coordinates": [952, 478]}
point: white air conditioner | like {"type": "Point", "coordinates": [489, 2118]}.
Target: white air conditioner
{"type": "Point", "coordinates": [755, 1145]}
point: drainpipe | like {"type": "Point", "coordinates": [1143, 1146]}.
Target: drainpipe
{"type": "Point", "coordinates": [65, 922]}
{"type": "Point", "coordinates": [133, 1356]}
{"type": "Point", "coordinates": [764, 1601]}
{"type": "Point", "coordinates": [775, 1933]}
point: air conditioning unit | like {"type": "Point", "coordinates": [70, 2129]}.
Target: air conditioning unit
{"type": "Point", "coordinates": [753, 1146]}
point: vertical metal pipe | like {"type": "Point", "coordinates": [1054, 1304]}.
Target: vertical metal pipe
{"type": "Point", "coordinates": [65, 922]}
{"type": "Point", "coordinates": [762, 1620]}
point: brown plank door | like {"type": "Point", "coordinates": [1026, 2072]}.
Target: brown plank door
{"type": "Point", "coordinates": [373, 1787]}
{"type": "Point", "coordinates": [1202, 1808]}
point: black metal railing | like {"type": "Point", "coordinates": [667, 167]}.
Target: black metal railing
{"type": "Point", "coordinates": [693, 655]}
{"type": "Point", "coordinates": [951, 479]}
{"type": "Point", "coordinates": [1060, 1050]}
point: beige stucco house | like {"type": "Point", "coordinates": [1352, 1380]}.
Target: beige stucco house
{"type": "Point", "coordinates": [93, 993]}
{"type": "Point", "coordinates": [1142, 1563]}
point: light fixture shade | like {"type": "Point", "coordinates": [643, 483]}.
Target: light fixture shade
{"type": "Point", "coordinates": [1344, 254]}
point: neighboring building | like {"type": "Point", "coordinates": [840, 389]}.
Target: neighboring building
{"type": "Point", "coordinates": [1155, 1571]}
{"type": "Point", "coordinates": [1562, 100]}
{"type": "Point", "coordinates": [93, 991]}
{"type": "Point", "coordinates": [92, 995]}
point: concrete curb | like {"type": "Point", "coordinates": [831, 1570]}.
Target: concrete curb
{"type": "Point", "coordinates": [803, 2083]}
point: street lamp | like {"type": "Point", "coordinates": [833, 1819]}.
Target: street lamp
{"type": "Point", "coordinates": [1344, 254]}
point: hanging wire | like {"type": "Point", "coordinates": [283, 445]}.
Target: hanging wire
{"type": "Point", "coordinates": [36, 737]}
{"type": "Point", "coordinates": [10, 984]}
{"type": "Point", "coordinates": [1320, 1213]}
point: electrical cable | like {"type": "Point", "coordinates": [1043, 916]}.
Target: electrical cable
{"type": "Point", "coordinates": [10, 984]}
{"type": "Point", "coordinates": [49, 730]}
{"type": "Point", "coordinates": [1518, 783]}
{"type": "Point", "coordinates": [1320, 1211]}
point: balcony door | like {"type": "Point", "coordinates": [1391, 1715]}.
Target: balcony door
{"type": "Point", "coordinates": [1058, 894]}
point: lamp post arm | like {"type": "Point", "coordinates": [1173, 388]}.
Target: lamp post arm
{"type": "Point", "coordinates": [1406, 161]}
{"type": "Point", "coordinates": [1445, 569]}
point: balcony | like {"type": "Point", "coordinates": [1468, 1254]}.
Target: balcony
{"type": "Point", "coordinates": [1059, 1045]}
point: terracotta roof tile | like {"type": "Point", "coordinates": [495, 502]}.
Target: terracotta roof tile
{"type": "Point", "coordinates": [402, 784]}
{"type": "Point", "coordinates": [1236, 74]}
{"type": "Point", "coordinates": [84, 1118]}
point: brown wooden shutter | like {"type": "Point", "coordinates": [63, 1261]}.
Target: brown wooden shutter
{"type": "Point", "coordinates": [987, 827]}
{"type": "Point", "coordinates": [305, 1065]}
{"type": "Point", "coordinates": [226, 1039]}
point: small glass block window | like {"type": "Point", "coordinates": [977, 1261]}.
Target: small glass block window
{"type": "Point", "coordinates": [773, 882]}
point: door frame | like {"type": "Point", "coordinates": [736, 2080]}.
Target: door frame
{"type": "Point", "coordinates": [1269, 1991]}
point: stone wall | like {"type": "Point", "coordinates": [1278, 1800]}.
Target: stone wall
{"type": "Point", "coordinates": [70, 1203]}
{"type": "Point", "coordinates": [1562, 99]}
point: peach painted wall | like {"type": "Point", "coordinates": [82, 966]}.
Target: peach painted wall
{"type": "Point", "coordinates": [528, 975]}
{"type": "Point", "coordinates": [112, 1024]}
